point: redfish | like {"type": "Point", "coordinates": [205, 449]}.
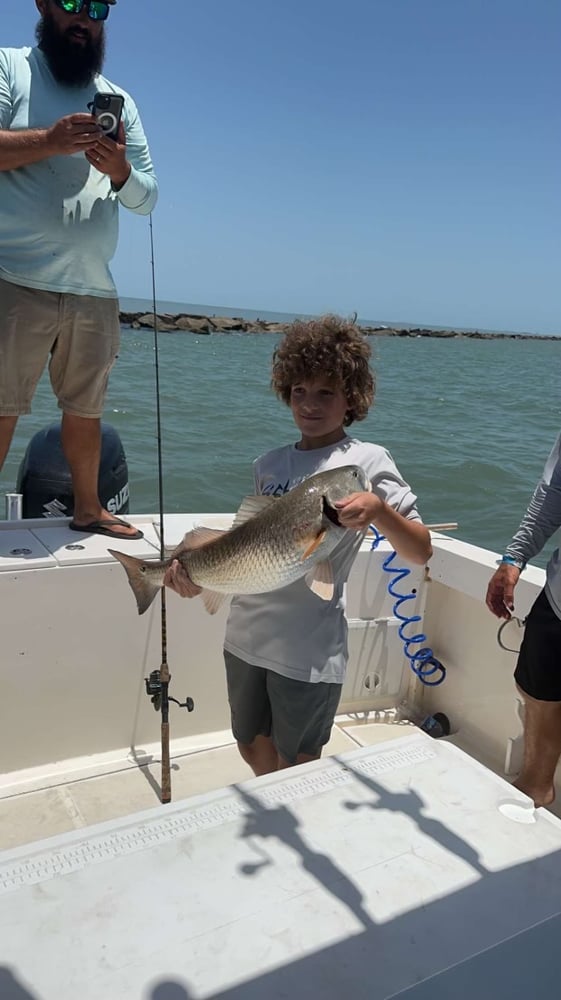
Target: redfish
{"type": "Point", "coordinates": [273, 542]}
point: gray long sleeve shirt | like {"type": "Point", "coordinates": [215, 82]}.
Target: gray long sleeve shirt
{"type": "Point", "coordinates": [541, 520]}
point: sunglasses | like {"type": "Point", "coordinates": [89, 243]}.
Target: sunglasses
{"type": "Point", "coordinates": [98, 10]}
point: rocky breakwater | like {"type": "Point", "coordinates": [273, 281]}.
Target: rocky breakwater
{"type": "Point", "coordinates": [206, 325]}
{"type": "Point", "coordinates": [188, 323]}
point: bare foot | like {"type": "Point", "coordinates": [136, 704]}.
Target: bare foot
{"type": "Point", "coordinates": [540, 796]}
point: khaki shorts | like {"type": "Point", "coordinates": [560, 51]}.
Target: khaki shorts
{"type": "Point", "coordinates": [77, 334]}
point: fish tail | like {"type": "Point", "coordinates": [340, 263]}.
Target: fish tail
{"type": "Point", "coordinates": [142, 582]}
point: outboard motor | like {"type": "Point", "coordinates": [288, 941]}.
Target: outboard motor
{"type": "Point", "coordinates": [45, 482]}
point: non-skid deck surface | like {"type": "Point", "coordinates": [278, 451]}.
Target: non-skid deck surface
{"type": "Point", "coordinates": [362, 875]}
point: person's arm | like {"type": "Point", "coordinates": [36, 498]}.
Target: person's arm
{"type": "Point", "coordinates": [22, 147]}
{"type": "Point", "coordinates": [541, 519]}
{"type": "Point", "coordinates": [18, 149]}
{"type": "Point", "coordinates": [139, 191]}
{"type": "Point", "coordinates": [543, 514]}
{"type": "Point", "coordinates": [410, 539]}
{"type": "Point", "coordinates": [71, 134]}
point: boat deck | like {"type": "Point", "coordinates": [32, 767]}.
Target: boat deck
{"type": "Point", "coordinates": [402, 869]}
{"type": "Point", "coordinates": [69, 804]}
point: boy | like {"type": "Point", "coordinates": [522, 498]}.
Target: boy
{"type": "Point", "coordinates": [286, 651]}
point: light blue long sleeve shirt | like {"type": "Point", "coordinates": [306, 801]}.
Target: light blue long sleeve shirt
{"type": "Point", "coordinates": [59, 217]}
{"type": "Point", "coordinates": [541, 520]}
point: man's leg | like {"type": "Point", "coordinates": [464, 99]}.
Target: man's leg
{"type": "Point", "coordinates": [538, 679]}
{"type": "Point", "coordinates": [7, 428]}
{"type": "Point", "coordinates": [28, 319]}
{"type": "Point", "coordinates": [542, 749]}
{"type": "Point", "coordinates": [81, 443]}
{"type": "Point", "coordinates": [81, 361]}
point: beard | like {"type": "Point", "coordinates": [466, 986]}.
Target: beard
{"type": "Point", "coordinates": [72, 63]}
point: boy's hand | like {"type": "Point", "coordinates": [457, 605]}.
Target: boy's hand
{"type": "Point", "coordinates": [178, 579]}
{"type": "Point", "coordinates": [359, 510]}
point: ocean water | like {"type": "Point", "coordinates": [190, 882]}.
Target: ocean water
{"type": "Point", "coordinates": [468, 422]}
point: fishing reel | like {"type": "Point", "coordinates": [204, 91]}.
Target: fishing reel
{"type": "Point", "coordinates": [154, 692]}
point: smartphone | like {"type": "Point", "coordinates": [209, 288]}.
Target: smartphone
{"type": "Point", "coordinates": [108, 109]}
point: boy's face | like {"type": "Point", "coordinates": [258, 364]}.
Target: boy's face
{"type": "Point", "coordinates": [319, 407]}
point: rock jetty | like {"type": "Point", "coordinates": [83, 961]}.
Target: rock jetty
{"type": "Point", "coordinates": [206, 325]}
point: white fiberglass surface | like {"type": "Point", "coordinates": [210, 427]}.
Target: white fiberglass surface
{"type": "Point", "coordinates": [363, 874]}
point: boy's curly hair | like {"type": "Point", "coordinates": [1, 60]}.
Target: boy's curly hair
{"type": "Point", "coordinates": [330, 347]}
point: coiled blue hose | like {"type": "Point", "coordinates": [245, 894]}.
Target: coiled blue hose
{"type": "Point", "coordinates": [423, 663]}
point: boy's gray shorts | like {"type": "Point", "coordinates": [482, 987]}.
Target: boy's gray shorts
{"type": "Point", "coordinates": [297, 715]}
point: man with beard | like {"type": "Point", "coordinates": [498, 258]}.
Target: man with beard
{"type": "Point", "coordinates": [61, 183]}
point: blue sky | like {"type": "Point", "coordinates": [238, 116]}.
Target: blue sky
{"type": "Point", "coordinates": [399, 158]}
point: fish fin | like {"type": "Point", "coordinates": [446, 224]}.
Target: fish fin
{"type": "Point", "coordinates": [173, 551]}
{"type": "Point", "coordinates": [320, 580]}
{"type": "Point", "coordinates": [191, 540]}
{"type": "Point", "coordinates": [198, 537]}
{"type": "Point", "coordinates": [143, 589]}
{"type": "Point", "coordinates": [213, 601]}
{"type": "Point", "coordinates": [250, 506]}
{"type": "Point", "coordinates": [314, 544]}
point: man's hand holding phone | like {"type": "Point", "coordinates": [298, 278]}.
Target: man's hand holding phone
{"type": "Point", "coordinates": [109, 156]}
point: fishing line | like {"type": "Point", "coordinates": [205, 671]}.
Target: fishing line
{"type": "Point", "coordinates": [162, 696]}
{"type": "Point", "coordinates": [158, 409]}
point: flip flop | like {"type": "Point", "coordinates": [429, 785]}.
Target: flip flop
{"type": "Point", "coordinates": [103, 528]}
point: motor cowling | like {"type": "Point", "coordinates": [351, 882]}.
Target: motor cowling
{"type": "Point", "coordinates": [44, 476]}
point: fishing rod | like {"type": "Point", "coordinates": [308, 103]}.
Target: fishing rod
{"type": "Point", "coordinates": [157, 685]}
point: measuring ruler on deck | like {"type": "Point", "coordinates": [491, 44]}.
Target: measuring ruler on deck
{"type": "Point", "coordinates": [43, 865]}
